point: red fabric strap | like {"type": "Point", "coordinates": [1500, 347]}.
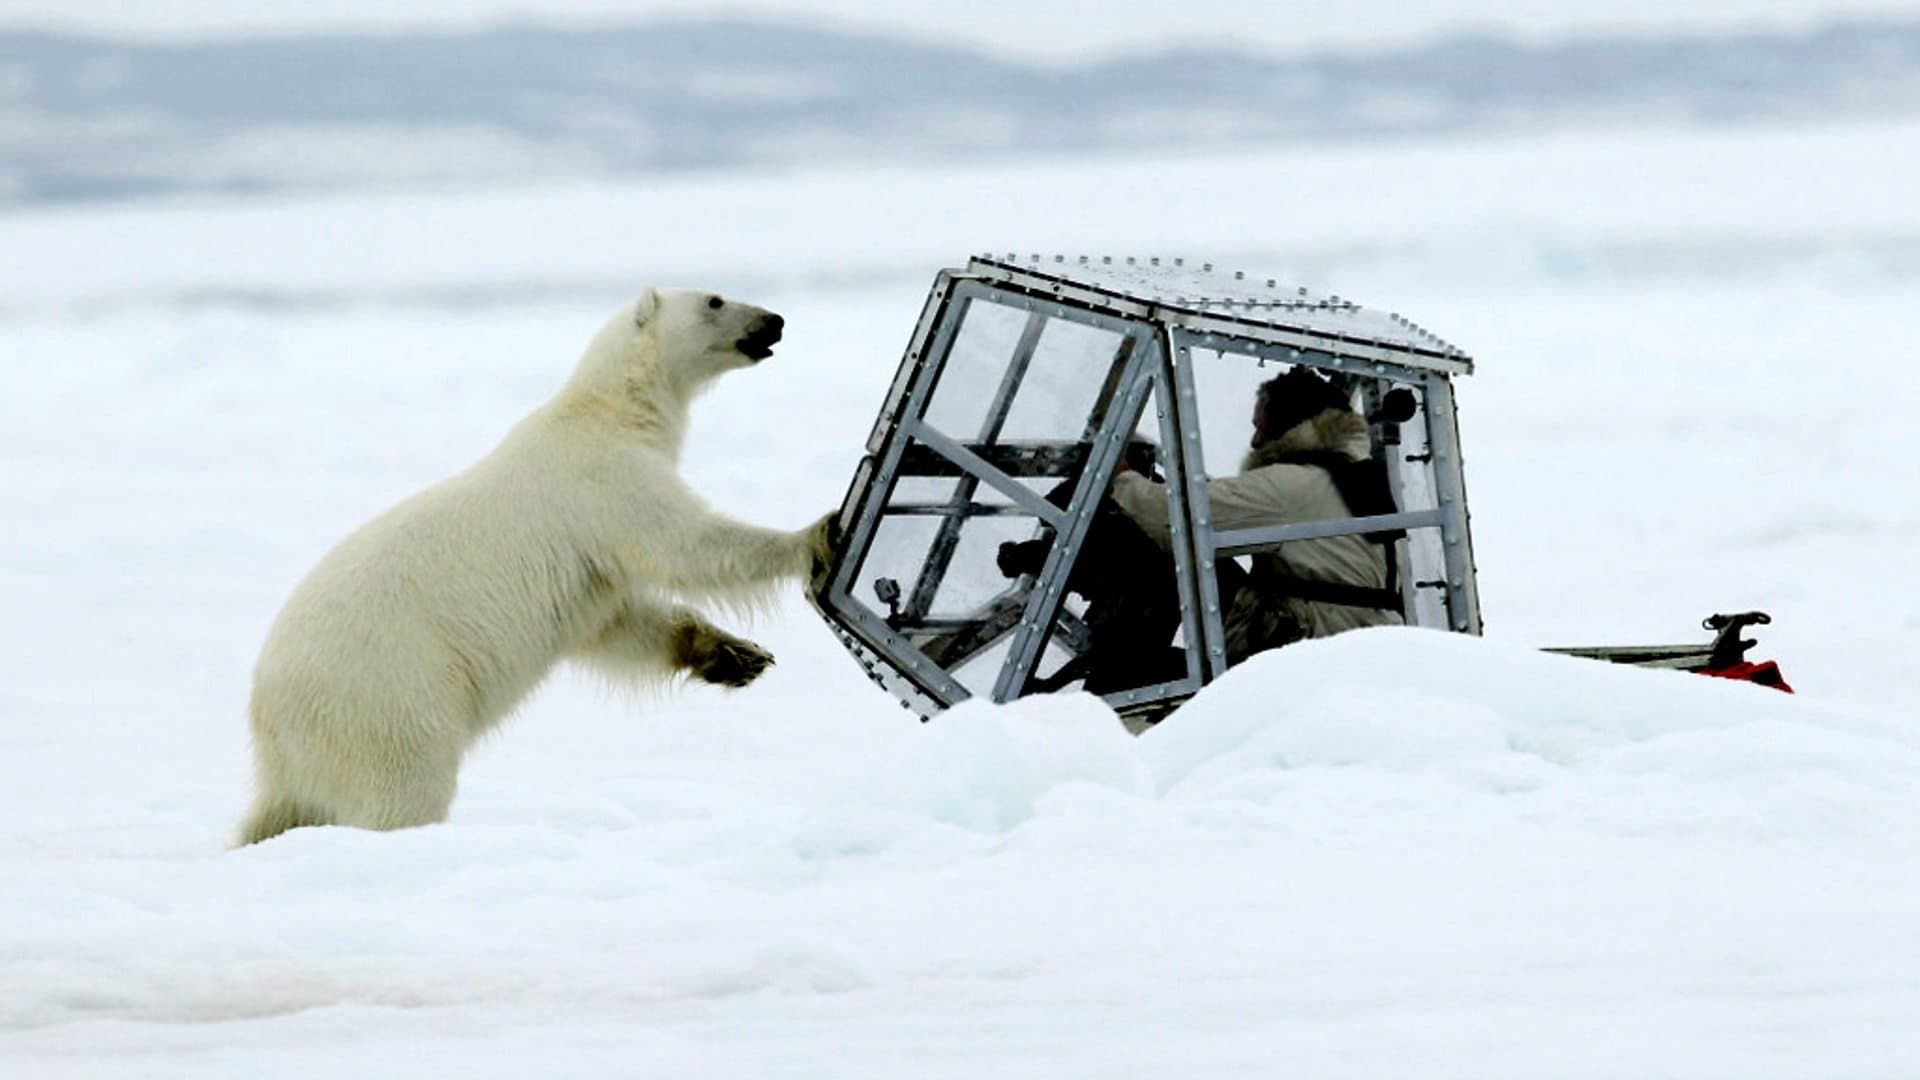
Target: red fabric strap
{"type": "Point", "coordinates": [1766, 673]}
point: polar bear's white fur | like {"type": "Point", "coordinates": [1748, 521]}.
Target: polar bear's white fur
{"type": "Point", "coordinates": [574, 539]}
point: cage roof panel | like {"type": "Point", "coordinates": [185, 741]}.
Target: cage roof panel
{"type": "Point", "coordinates": [1184, 290]}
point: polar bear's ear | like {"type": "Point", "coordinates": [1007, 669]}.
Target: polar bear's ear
{"type": "Point", "coordinates": [646, 307]}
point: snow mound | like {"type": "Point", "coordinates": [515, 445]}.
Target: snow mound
{"type": "Point", "coordinates": [988, 768]}
{"type": "Point", "coordinates": [1385, 844]}
{"type": "Point", "coordinates": [1400, 723]}
{"type": "Point", "coordinates": [1386, 736]}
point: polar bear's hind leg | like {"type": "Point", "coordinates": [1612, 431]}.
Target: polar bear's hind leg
{"type": "Point", "coordinates": [405, 776]}
{"type": "Point", "coordinates": [366, 770]}
{"type": "Point", "coordinates": [274, 814]}
{"type": "Point", "coordinates": [406, 797]}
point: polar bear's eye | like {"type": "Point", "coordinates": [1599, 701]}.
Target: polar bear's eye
{"type": "Point", "coordinates": [713, 302]}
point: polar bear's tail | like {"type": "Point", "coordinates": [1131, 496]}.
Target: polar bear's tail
{"type": "Point", "coordinates": [274, 814]}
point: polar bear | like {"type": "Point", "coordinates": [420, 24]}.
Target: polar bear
{"type": "Point", "coordinates": [575, 539]}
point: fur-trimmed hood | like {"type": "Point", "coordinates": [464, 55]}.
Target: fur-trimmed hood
{"type": "Point", "coordinates": [1341, 431]}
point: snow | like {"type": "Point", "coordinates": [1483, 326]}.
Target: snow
{"type": "Point", "coordinates": [1462, 214]}
{"type": "Point", "coordinates": [1512, 862]}
{"type": "Point", "coordinates": [1388, 853]}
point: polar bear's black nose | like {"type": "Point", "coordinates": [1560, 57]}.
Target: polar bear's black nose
{"type": "Point", "coordinates": [759, 342]}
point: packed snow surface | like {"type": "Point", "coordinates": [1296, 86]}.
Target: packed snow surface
{"type": "Point", "coordinates": [1392, 853]}
{"type": "Point", "coordinates": [1393, 846]}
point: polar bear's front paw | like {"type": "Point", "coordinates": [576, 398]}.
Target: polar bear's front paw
{"type": "Point", "coordinates": [733, 663]}
{"type": "Point", "coordinates": [822, 537]}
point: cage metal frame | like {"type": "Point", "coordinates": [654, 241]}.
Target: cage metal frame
{"type": "Point", "coordinates": [1160, 333]}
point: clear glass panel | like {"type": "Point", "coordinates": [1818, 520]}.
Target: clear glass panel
{"type": "Point", "coordinates": [1072, 372]}
{"type": "Point", "coordinates": [895, 555]}
{"type": "Point", "coordinates": [1422, 554]}
{"type": "Point", "coordinates": [975, 364]}
{"type": "Point", "coordinates": [1124, 595]}
{"type": "Point", "coordinates": [920, 490]}
{"type": "Point", "coordinates": [1412, 460]}
{"type": "Point", "coordinates": [1424, 561]}
{"type": "Point", "coordinates": [1225, 385]}
{"type": "Point", "coordinates": [973, 579]}
{"type": "Point", "coordinates": [1148, 425]}
{"type": "Point", "coordinates": [979, 673]}
{"type": "Point", "coordinates": [1029, 416]}
{"type": "Point", "coordinates": [1055, 656]}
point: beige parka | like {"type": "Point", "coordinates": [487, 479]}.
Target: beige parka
{"type": "Point", "coordinates": [1269, 493]}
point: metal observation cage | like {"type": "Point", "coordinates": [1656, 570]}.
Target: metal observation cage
{"type": "Point", "coordinates": [1025, 383]}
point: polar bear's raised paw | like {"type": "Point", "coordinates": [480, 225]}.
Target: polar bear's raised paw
{"type": "Point", "coordinates": [734, 663]}
{"type": "Point", "coordinates": [712, 655]}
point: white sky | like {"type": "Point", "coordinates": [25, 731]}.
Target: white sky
{"type": "Point", "coordinates": [1063, 30]}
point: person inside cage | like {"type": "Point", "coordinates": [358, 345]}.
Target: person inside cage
{"type": "Point", "coordinates": [1310, 459]}
{"type": "Point", "coordinates": [1131, 591]}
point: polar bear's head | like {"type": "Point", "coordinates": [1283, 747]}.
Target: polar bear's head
{"type": "Point", "coordinates": [677, 341]}
{"type": "Point", "coordinates": [704, 330]}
